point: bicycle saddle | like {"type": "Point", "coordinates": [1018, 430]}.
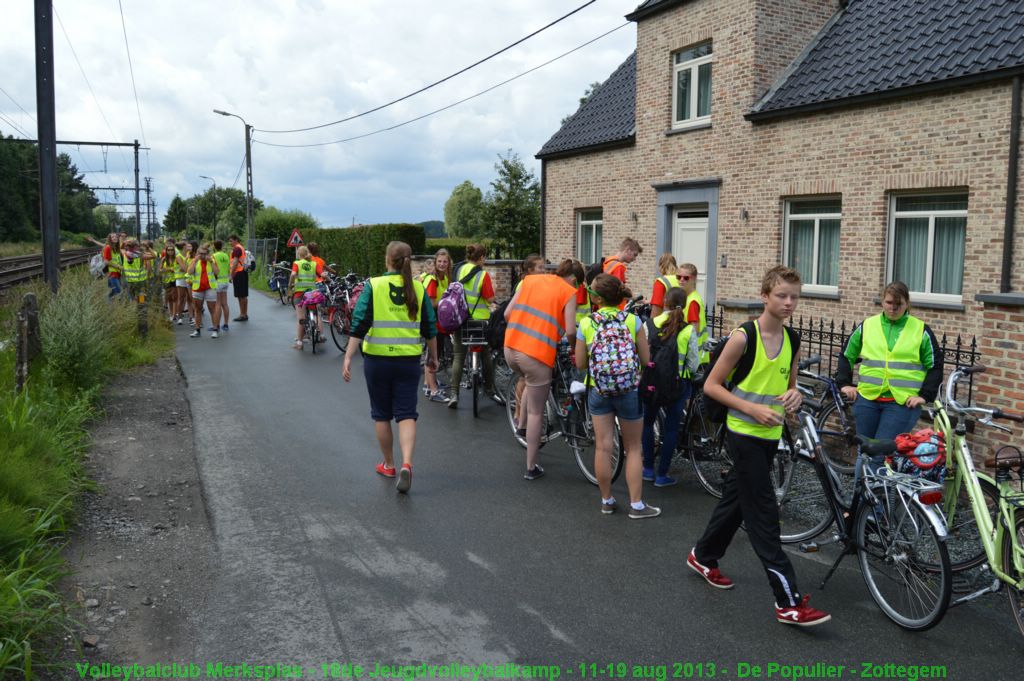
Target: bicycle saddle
{"type": "Point", "coordinates": [876, 447]}
{"type": "Point", "coordinates": [1005, 458]}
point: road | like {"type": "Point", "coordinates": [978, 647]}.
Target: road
{"type": "Point", "coordinates": [320, 560]}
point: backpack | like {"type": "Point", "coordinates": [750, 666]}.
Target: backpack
{"type": "Point", "coordinates": [97, 266]}
{"type": "Point", "coordinates": [249, 261]}
{"type": "Point", "coordinates": [614, 363]}
{"type": "Point", "coordinates": [496, 327]}
{"type": "Point", "coordinates": [921, 454]}
{"type": "Point", "coordinates": [594, 270]}
{"type": "Point", "coordinates": [715, 410]}
{"type": "Point", "coordinates": [660, 382]}
{"type": "Point", "coordinates": [452, 309]}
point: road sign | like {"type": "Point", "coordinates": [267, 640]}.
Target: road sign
{"type": "Point", "coordinates": [295, 239]}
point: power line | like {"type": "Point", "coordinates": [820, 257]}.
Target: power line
{"type": "Point", "coordinates": [17, 128]}
{"type": "Point", "coordinates": [81, 157]}
{"type": "Point", "coordinates": [446, 78]}
{"type": "Point", "coordinates": [132, 72]}
{"type": "Point", "coordinates": [239, 173]}
{"type": "Point", "coordinates": [453, 104]}
{"type": "Point", "coordinates": [18, 105]}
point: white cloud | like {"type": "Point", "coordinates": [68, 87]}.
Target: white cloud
{"type": "Point", "coordinates": [297, 63]}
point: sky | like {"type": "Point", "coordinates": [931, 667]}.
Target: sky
{"type": "Point", "coordinates": [285, 64]}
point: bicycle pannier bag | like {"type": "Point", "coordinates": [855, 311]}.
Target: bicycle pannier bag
{"type": "Point", "coordinates": [614, 364]}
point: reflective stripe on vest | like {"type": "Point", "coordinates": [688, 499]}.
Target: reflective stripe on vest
{"type": "Point", "coordinates": [669, 281]}
{"type": "Point", "coordinates": [305, 276]}
{"type": "Point", "coordinates": [170, 271]}
{"type": "Point", "coordinates": [534, 324]}
{"type": "Point", "coordinates": [477, 308]}
{"type": "Point", "coordinates": [197, 276]}
{"type": "Point", "coordinates": [442, 285]}
{"type": "Point", "coordinates": [223, 266]}
{"type": "Point", "coordinates": [898, 370]}
{"type": "Point", "coordinates": [392, 333]}
{"type": "Point", "coordinates": [133, 271]}
{"type": "Point", "coordinates": [116, 262]}
{"type": "Point", "coordinates": [702, 324]}
{"type": "Point", "coordinates": [767, 380]}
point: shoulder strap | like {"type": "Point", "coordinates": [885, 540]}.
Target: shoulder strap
{"type": "Point", "coordinates": [794, 339]}
{"type": "Point", "coordinates": [746, 362]}
{"type": "Point", "coordinates": [472, 273]}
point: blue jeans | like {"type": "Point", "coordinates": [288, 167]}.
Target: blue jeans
{"type": "Point", "coordinates": [674, 413]}
{"type": "Point", "coordinates": [626, 407]}
{"type": "Point", "coordinates": [114, 284]}
{"type": "Point", "coordinates": [883, 420]}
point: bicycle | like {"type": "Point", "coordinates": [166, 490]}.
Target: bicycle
{"type": "Point", "coordinates": [834, 422]}
{"type": "Point", "coordinates": [983, 510]}
{"type": "Point", "coordinates": [278, 274]}
{"type": "Point", "coordinates": [891, 522]}
{"type": "Point", "coordinates": [566, 415]}
{"type": "Point", "coordinates": [344, 292]}
{"type": "Point", "coordinates": [474, 338]}
{"type": "Point", "coordinates": [311, 301]}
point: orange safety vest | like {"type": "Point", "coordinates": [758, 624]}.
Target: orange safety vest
{"type": "Point", "coordinates": [239, 267]}
{"type": "Point", "coordinates": [609, 265]}
{"type": "Point", "coordinates": [535, 320]}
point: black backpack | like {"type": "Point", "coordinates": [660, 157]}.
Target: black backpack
{"type": "Point", "coordinates": [594, 270]}
{"type": "Point", "coordinates": [496, 327]}
{"type": "Point", "coordinates": [715, 410]}
{"type": "Point", "coordinates": [660, 382]}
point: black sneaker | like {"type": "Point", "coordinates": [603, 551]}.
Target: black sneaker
{"type": "Point", "coordinates": [534, 473]}
{"type": "Point", "coordinates": [241, 318]}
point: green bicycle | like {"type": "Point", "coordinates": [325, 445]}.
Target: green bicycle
{"type": "Point", "coordinates": [984, 515]}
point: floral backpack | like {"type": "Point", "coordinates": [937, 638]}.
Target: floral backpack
{"type": "Point", "coordinates": [614, 364]}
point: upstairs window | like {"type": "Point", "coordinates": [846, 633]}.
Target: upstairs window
{"type": "Point", "coordinates": [691, 86]}
{"type": "Point", "coordinates": [812, 242]}
{"type": "Point", "coordinates": [927, 235]}
{"type": "Point", "coordinates": [589, 224]}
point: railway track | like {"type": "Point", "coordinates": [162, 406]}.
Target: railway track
{"type": "Point", "coordinates": [19, 269]}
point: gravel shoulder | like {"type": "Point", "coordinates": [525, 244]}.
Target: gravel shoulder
{"type": "Point", "coordinates": [142, 551]}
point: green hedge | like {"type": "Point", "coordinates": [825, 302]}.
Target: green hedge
{"type": "Point", "coordinates": [457, 246]}
{"type": "Point", "coordinates": [360, 249]}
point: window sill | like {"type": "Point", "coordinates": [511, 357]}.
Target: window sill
{"type": "Point", "coordinates": [820, 295]}
{"type": "Point", "coordinates": [1012, 299]}
{"type": "Point", "coordinates": [703, 125]}
{"type": "Point", "coordinates": [742, 304]}
{"type": "Point", "coordinates": [928, 305]}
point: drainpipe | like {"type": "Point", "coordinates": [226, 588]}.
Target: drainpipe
{"type": "Point", "coordinates": [1011, 188]}
{"type": "Point", "coordinates": [543, 203]}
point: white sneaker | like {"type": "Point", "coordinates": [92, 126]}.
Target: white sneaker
{"type": "Point", "coordinates": [180, 320]}
{"type": "Point", "coordinates": [213, 334]}
{"type": "Point", "coordinates": [577, 388]}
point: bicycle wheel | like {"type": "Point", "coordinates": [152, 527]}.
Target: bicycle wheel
{"type": "Point", "coordinates": [510, 410]}
{"type": "Point", "coordinates": [704, 444]}
{"type": "Point", "coordinates": [964, 540]}
{"type": "Point", "coordinates": [1014, 593]}
{"type": "Point", "coordinates": [475, 384]}
{"type": "Point", "coordinates": [282, 293]}
{"type": "Point", "coordinates": [898, 551]}
{"type": "Point", "coordinates": [339, 329]}
{"type": "Point", "coordinates": [840, 454]}
{"type": "Point", "coordinates": [804, 511]}
{"type": "Point", "coordinates": [311, 328]}
{"type": "Point", "coordinates": [581, 441]}
{"type": "Point", "coordinates": [503, 374]}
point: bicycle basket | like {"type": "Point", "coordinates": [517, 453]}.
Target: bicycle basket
{"type": "Point", "coordinates": [474, 332]}
{"type": "Point", "coordinates": [313, 298]}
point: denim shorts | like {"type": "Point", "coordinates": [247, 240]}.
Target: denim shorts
{"type": "Point", "coordinates": [626, 407]}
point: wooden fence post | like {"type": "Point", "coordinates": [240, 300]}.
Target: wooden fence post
{"type": "Point", "coordinates": [29, 342]}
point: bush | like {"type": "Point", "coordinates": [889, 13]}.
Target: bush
{"type": "Point", "coordinates": [457, 246]}
{"type": "Point", "coordinates": [271, 223]}
{"type": "Point", "coordinates": [361, 249]}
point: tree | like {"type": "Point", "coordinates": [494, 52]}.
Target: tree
{"type": "Point", "coordinates": [433, 228]}
{"type": "Point", "coordinates": [463, 211]}
{"type": "Point", "coordinates": [206, 207]}
{"type": "Point", "coordinates": [274, 223]}
{"type": "Point", "coordinates": [587, 94]}
{"type": "Point", "coordinates": [106, 218]}
{"type": "Point", "coordinates": [513, 207]}
{"type": "Point", "coordinates": [176, 218]}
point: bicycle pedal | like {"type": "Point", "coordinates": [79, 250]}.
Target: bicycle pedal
{"type": "Point", "coordinates": [809, 547]}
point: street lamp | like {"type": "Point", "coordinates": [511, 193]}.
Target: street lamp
{"type": "Point", "coordinates": [251, 232]}
{"type": "Point", "coordinates": [207, 177]}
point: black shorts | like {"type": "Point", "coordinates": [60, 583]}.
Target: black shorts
{"type": "Point", "coordinates": [393, 385]}
{"type": "Point", "coordinates": [240, 282]}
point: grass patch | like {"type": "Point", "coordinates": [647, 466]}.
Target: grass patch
{"type": "Point", "coordinates": [86, 341]}
{"type": "Point", "coordinates": [11, 249]}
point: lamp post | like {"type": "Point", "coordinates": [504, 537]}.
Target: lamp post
{"type": "Point", "coordinates": [250, 230]}
{"type": "Point", "coordinates": [207, 177]}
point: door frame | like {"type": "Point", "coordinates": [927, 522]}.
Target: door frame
{"type": "Point", "coordinates": [702, 191]}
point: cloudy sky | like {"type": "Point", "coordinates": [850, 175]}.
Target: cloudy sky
{"type": "Point", "coordinates": [285, 64]}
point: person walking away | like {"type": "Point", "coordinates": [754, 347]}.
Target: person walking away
{"type": "Point", "coordinates": [629, 250]}
{"type": "Point", "coordinates": [669, 327]}
{"type": "Point", "coordinates": [203, 271]}
{"type": "Point", "coordinates": [900, 368]}
{"type": "Point", "coordinates": [667, 280]}
{"type": "Point", "coordinates": [757, 405]}
{"type": "Point", "coordinates": [611, 346]}
{"type": "Point", "coordinates": [390, 318]}
{"type": "Point", "coordinates": [696, 312]}
{"type": "Point", "coordinates": [223, 261]}
{"type": "Point", "coordinates": [479, 299]}
{"type": "Point", "coordinates": [305, 274]}
{"type": "Point", "coordinates": [540, 313]}
{"type": "Point", "coordinates": [239, 278]}
{"type": "Point", "coordinates": [435, 282]}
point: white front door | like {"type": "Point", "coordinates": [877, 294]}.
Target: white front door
{"type": "Point", "coordinates": [690, 241]}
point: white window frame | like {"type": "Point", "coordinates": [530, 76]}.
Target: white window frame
{"type": "Point", "coordinates": [890, 255]}
{"type": "Point", "coordinates": [581, 224]}
{"type": "Point", "coordinates": [694, 67]}
{"type": "Point", "coordinates": [812, 287]}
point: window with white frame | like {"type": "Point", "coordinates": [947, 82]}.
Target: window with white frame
{"type": "Point", "coordinates": [811, 241]}
{"type": "Point", "coordinates": [588, 234]}
{"type": "Point", "coordinates": [927, 235]}
{"type": "Point", "coordinates": [691, 86]}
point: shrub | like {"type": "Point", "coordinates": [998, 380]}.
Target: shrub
{"type": "Point", "coordinates": [361, 249]}
{"type": "Point", "coordinates": [457, 246]}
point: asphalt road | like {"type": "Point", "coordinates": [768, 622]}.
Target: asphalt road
{"type": "Point", "coordinates": [321, 561]}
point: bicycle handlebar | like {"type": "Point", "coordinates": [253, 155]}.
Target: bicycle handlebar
{"type": "Point", "coordinates": [809, 362]}
{"type": "Point", "coordinates": [987, 415]}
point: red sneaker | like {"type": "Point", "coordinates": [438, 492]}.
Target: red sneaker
{"type": "Point", "coordinates": [801, 615]}
{"type": "Point", "coordinates": [382, 469]}
{"type": "Point", "coordinates": [711, 575]}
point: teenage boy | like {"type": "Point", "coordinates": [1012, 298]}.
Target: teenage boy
{"type": "Point", "coordinates": [629, 249]}
{"type": "Point", "coordinates": [757, 406]}
{"type": "Point", "coordinates": [239, 278]}
{"type": "Point", "coordinates": [696, 314]}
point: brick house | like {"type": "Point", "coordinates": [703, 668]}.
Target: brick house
{"type": "Point", "coordinates": [859, 141]}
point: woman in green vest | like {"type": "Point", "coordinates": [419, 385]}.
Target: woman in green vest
{"type": "Point", "coordinates": [391, 317]}
{"type": "Point", "coordinates": [435, 283]}
{"type": "Point", "coordinates": [666, 281]}
{"type": "Point", "coordinates": [305, 274]}
{"type": "Point", "coordinates": [696, 314]}
{"type": "Point", "coordinates": [479, 298]}
{"type": "Point", "coordinates": [223, 261]}
{"type": "Point", "coordinates": [900, 367]}
{"type": "Point", "coordinates": [169, 273]}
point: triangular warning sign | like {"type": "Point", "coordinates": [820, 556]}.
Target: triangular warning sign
{"type": "Point", "coordinates": [295, 239]}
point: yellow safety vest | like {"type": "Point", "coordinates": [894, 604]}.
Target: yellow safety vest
{"type": "Point", "coordinates": [392, 332]}
{"type": "Point", "coordinates": [442, 285]}
{"type": "Point", "coordinates": [223, 264]}
{"type": "Point", "coordinates": [899, 370]}
{"type": "Point", "coordinates": [702, 324]}
{"type": "Point", "coordinates": [478, 308]}
{"type": "Point", "coordinates": [197, 275]}
{"type": "Point", "coordinates": [767, 380]}
{"type": "Point", "coordinates": [669, 281]}
{"type": "Point", "coordinates": [682, 342]}
{"type": "Point", "coordinates": [305, 277]}
{"type": "Point", "coordinates": [170, 272]}
{"type": "Point", "coordinates": [132, 270]}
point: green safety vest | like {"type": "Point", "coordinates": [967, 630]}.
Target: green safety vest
{"type": "Point", "coordinates": [682, 342]}
{"type": "Point", "coordinates": [702, 324]}
{"type": "Point", "coordinates": [442, 285]}
{"type": "Point", "coordinates": [583, 309]}
{"type": "Point", "coordinates": [170, 272]}
{"type": "Point", "coordinates": [767, 380]}
{"type": "Point", "coordinates": [223, 265]}
{"type": "Point", "coordinates": [132, 270]}
{"type": "Point", "coordinates": [116, 263]}
{"type": "Point", "coordinates": [477, 308]}
{"type": "Point", "coordinates": [180, 267]}
{"type": "Point", "coordinates": [669, 281]}
{"type": "Point", "coordinates": [197, 275]}
{"type": "Point", "coordinates": [392, 332]}
{"type": "Point", "coordinates": [899, 370]}
{"type": "Point", "coordinates": [305, 277]}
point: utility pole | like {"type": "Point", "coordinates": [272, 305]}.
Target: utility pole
{"type": "Point", "coordinates": [138, 216]}
{"type": "Point", "coordinates": [250, 229]}
{"type": "Point", "coordinates": [49, 219]}
{"type": "Point", "coordinates": [149, 211]}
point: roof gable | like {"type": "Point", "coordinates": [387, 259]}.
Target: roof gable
{"type": "Point", "coordinates": [606, 119]}
{"type": "Point", "coordinates": [878, 48]}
